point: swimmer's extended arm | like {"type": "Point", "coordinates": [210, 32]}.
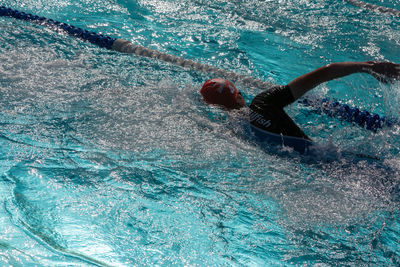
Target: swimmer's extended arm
{"type": "Point", "coordinates": [382, 71]}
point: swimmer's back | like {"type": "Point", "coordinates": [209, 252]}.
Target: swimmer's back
{"type": "Point", "coordinates": [266, 112]}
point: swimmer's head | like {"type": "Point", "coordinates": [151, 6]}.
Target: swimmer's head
{"type": "Point", "coordinates": [222, 92]}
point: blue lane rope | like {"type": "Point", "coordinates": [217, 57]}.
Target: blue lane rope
{"type": "Point", "coordinates": [92, 37]}
{"type": "Point", "coordinates": [365, 119]}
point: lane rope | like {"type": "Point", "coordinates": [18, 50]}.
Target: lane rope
{"type": "Point", "coordinates": [370, 121]}
{"type": "Point", "coordinates": [333, 108]}
{"type": "Point", "coordinates": [375, 8]}
{"type": "Point", "coordinates": [128, 47]}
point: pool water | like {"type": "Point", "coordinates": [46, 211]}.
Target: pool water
{"type": "Point", "coordinates": [113, 160]}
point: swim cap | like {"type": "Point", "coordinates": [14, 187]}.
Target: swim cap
{"type": "Point", "coordinates": [220, 91]}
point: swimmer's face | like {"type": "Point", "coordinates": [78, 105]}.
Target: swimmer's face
{"type": "Point", "coordinates": [239, 101]}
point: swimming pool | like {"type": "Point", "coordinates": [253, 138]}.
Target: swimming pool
{"type": "Point", "coordinates": [109, 159]}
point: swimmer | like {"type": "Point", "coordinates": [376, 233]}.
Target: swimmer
{"type": "Point", "coordinates": [266, 109]}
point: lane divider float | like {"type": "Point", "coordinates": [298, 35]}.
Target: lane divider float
{"type": "Point", "coordinates": [375, 8]}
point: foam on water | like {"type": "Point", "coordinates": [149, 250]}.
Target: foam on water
{"type": "Point", "coordinates": [112, 159]}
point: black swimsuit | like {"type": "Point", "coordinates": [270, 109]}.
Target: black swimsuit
{"type": "Point", "coordinates": [267, 112]}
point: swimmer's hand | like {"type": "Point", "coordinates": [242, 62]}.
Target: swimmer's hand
{"type": "Point", "coordinates": [385, 72]}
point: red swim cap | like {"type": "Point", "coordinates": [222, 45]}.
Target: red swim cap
{"type": "Point", "coordinates": [220, 91]}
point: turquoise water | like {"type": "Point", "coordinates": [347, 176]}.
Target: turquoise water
{"type": "Point", "coordinates": [109, 159]}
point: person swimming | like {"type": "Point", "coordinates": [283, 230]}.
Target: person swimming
{"type": "Point", "coordinates": [266, 111]}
